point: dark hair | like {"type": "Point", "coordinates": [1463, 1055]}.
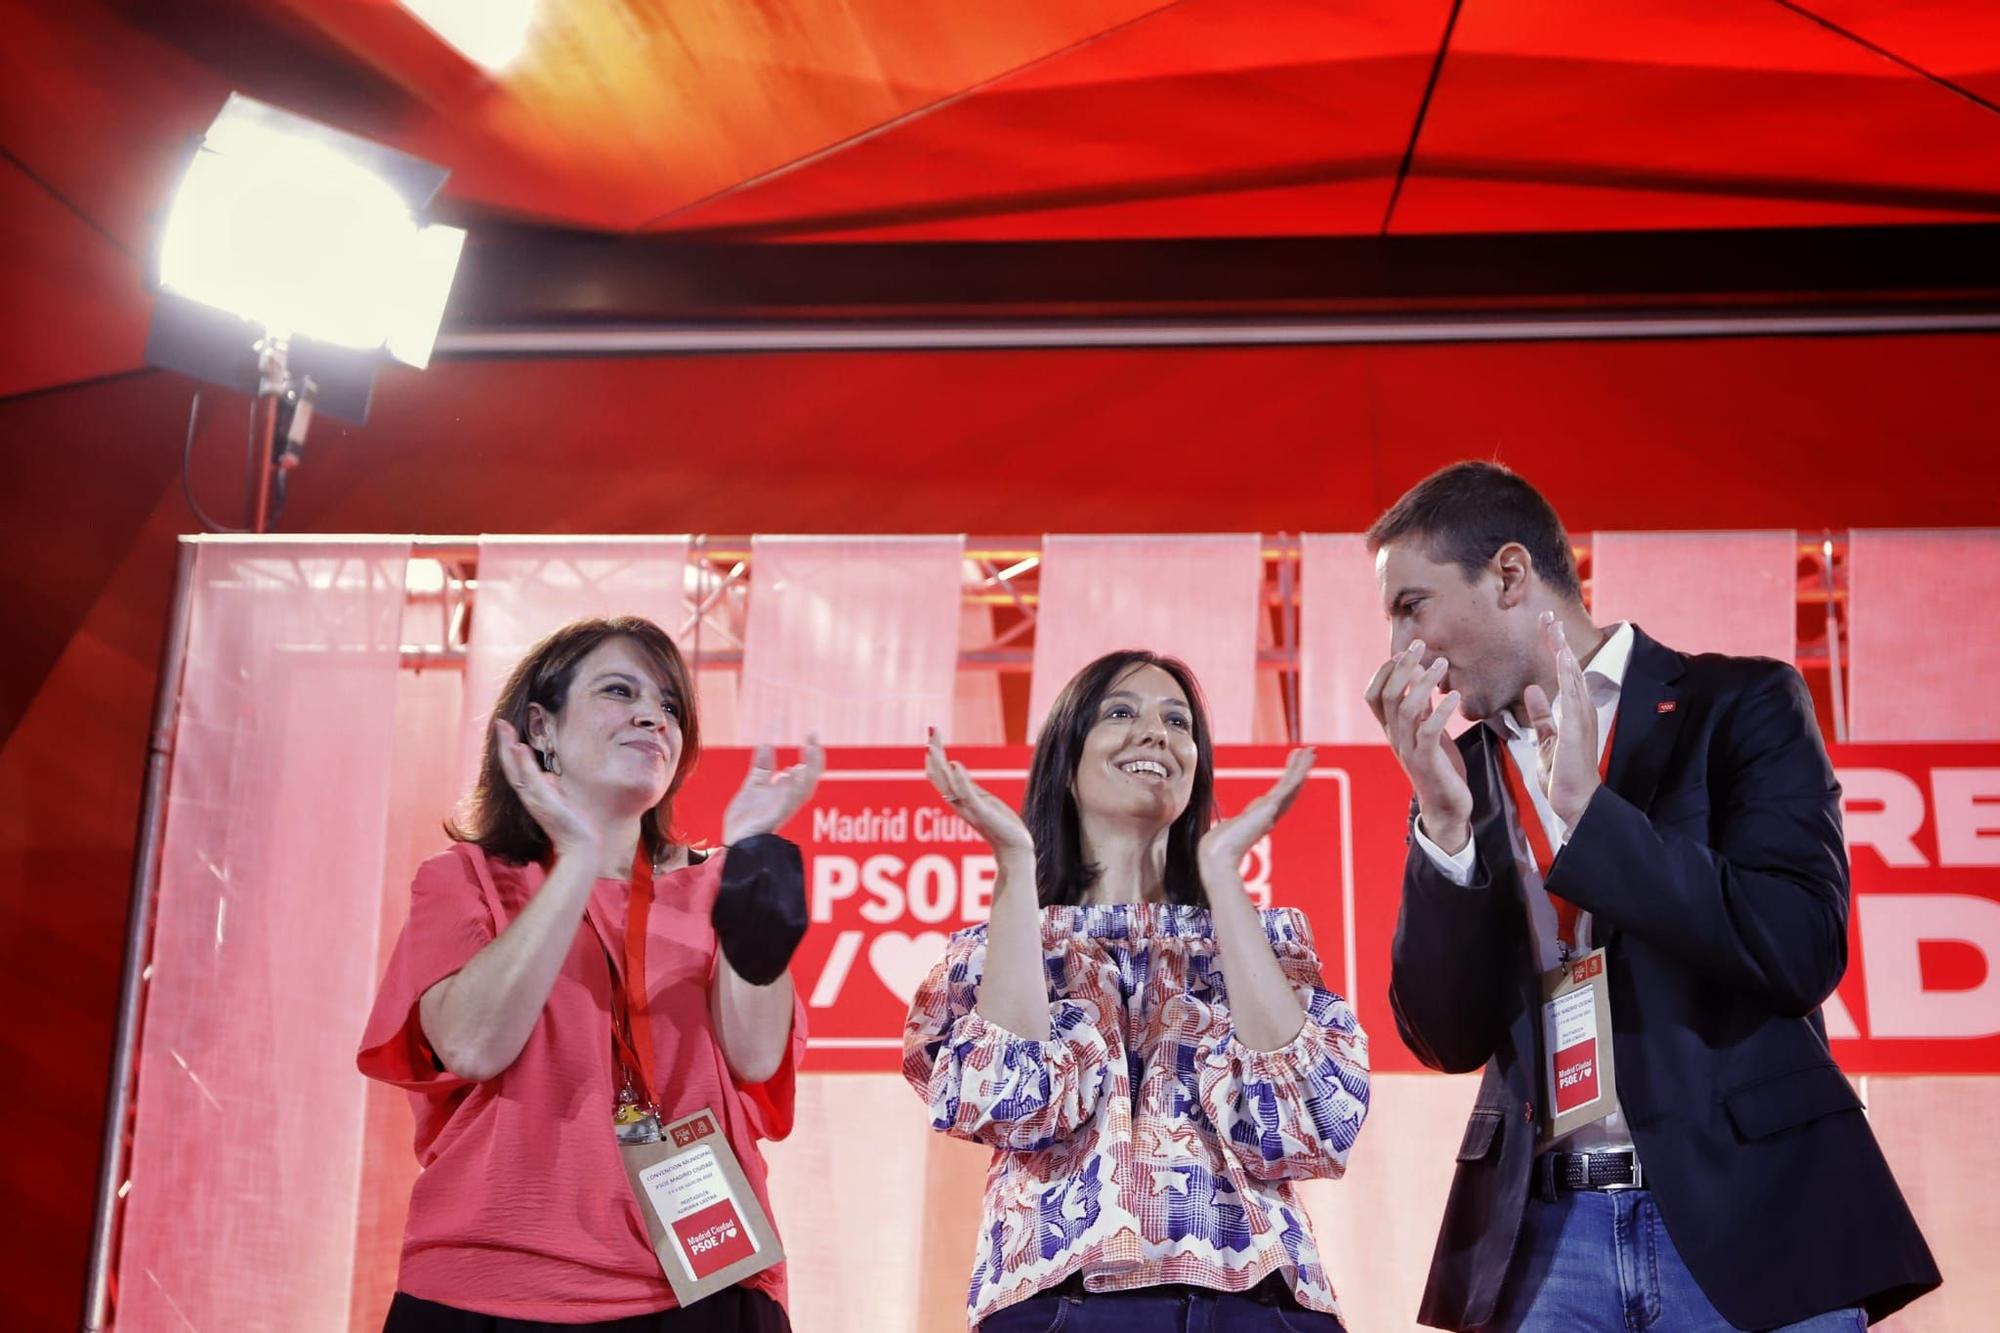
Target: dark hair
{"type": "Point", "coordinates": [1062, 876]}
{"type": "Point", "coordinates": [493, 816]}
{"type": "Point", "coordinates": [1466, 512]}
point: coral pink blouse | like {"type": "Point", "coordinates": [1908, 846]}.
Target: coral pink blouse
{"type": "Point", "coordinates": [523, 1209]}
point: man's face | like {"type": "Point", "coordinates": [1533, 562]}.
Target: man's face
{"type": "Point", "coordinates": [1483, 630]}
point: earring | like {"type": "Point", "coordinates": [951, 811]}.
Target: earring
{"type": "Point", "coordinates": [550, 763]}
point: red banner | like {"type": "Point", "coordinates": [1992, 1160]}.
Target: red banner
{"type": "Point", "coordinates": [1922, 990]}
{"type": "Point", "coordinates": [891, 870]}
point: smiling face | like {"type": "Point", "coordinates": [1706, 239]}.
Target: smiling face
{"type": "Point", "coordinates": [618, 732]}
{"type": "Point", "coordinates": [1138, 759]}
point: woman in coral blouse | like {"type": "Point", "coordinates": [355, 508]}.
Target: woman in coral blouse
{"type": "Point", "coordinates": [535, 1033]}
{"type": "Point", "coordinates": [1153, 1059]}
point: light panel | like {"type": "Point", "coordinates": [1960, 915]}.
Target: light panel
{"type": "Point", "coordinates": [308, 231]}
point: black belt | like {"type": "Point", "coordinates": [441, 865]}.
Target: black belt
{"type": "Point", "coordinates": [1558, 1171]}
{"type": "Point", "coordinates": [1273, 1290]}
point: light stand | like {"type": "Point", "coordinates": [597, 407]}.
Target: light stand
{"type": "Point", "coordinates": [281, 400]}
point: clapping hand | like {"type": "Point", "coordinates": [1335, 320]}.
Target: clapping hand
{"type": "Point", "coordinates": [994, 820]}
{"type": "Point", "coordinates": [1567, 752]}
{"type": "Point", "coordinates": [769, 796]}
{"type": "Point", "coordinates": [1400, 696]}
{"type": "Point", "coordinates": [1228, 841]}
{"type": "Point", "coordinates": [568, 830]}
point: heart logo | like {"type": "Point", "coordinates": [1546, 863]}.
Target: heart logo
{"type": "Point", "coordinates": [903, 961]}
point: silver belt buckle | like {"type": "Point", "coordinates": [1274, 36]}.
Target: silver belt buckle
{"type": "Point", "coordinates": [1638, 1180]}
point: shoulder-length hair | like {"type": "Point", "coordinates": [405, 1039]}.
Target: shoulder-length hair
{"type": "Point", "coordinates": [493, 816]}
{"type": "Point", "coordinates": [1062, 876]}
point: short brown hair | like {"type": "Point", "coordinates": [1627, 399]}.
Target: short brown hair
{"type": "Point", "coordinates": [493, 816]}
{"type": "Point", "coordinates": [1466, 512]}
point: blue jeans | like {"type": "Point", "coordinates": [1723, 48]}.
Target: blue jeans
{"type": "Point", "coordinates": [1155, 1310]}
{"type": "Point", "coordinates": [1603, 1261]}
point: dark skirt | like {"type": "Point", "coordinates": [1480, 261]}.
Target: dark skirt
{"type": "Point", "coordinates": [733, 1310]}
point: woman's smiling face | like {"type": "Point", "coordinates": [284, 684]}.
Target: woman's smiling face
{"type": "Point", "coordinates": [618, 733]}
{"type": "Point", "coordinates": [1138, 758]}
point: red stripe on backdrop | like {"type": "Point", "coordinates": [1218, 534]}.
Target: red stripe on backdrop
{"type": "Point", "coordinates": [890, 872]}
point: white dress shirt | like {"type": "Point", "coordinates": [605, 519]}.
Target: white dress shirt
{"type": "Point", "coordinates": [1604, 674]}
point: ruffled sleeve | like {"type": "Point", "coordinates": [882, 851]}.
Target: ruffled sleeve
{"type": "Point", "coordinates": [451, 919]}
{"type": "Point", "coordinates": [990, 1085]}
{"type": "Point", "coordinates": [1292, 1113]}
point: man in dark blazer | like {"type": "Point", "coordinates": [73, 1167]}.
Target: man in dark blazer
{"type": "Point", "coordinates": [1686, 822]}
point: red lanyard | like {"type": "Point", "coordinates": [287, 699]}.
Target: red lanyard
{"type": "Point", "coordinates": [1538, 837]}
{"type": "Point", "coordinates": [632, 1026]}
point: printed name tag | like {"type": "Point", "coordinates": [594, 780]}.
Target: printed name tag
{"type": "Point", "coordinates": [1578, 1085]}
{"type": "Point", "coordinates": [704, 1221]}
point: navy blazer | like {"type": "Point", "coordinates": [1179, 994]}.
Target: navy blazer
{"type": "Point", "coordinates": [1714, 868]}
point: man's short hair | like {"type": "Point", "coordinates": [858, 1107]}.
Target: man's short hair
{"type": "Point", "coordinates": [1466, 512]}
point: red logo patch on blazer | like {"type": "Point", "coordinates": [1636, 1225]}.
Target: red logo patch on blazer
{"type": "Point", "coordinates": [1666, 706]}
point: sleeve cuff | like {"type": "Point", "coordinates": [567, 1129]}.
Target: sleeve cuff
{"type": "Point", "coordinates": [1456, 868]}
{"type": "Point", "coordinates": [1284, 1061]}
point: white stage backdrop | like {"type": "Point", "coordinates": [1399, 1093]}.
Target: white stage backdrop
{"type": "Point", "coordinates": [310, 777]}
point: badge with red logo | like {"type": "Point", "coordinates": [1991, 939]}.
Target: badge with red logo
{"type": "Point", "coordinates": [1576, 1039]}
{"type": "Point", "coordinates": [713, 1238]}
{"type": "Point", "coordinates": [707, 1228]}
{"type": "Point", "coordinates": [1576, 1075]}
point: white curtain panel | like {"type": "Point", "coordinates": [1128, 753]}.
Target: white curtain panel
{"type": "Point", "coordinates": [855, 638]}
{"type": "Point", "coordinates": [247, 1161]}
{"type": "Point", "coordinates": [1192, 597]}
{"type": "Point", "coordinates": [1343, 638]}
{"type": "Point", "coordinates": [1922, 654]}
{"type": "Point", "coordinates": [1701, 592]}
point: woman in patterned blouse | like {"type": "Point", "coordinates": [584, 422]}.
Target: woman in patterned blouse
{"type": "Point", "coordinates": [1152, 1058]}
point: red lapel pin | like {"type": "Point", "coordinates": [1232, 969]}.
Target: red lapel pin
{"type": "Point", "coordinates": [1665, 706]}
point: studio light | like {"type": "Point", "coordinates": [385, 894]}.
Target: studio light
{"type": "Point", "coordinates": [294, 261]}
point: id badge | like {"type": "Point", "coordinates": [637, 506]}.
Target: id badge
{"type": "Point", "coordinates": [1578, 1084]}
{"type": "Point", "coordinates": [707, 1228]}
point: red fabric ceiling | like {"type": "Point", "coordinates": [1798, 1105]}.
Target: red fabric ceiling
{"type": "Point", "coordinates": [1053, 118]}
{"type": "Point", "coordinates": [1048, 118]}
{"type": "Point", "coordinates": [1042, 119]}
